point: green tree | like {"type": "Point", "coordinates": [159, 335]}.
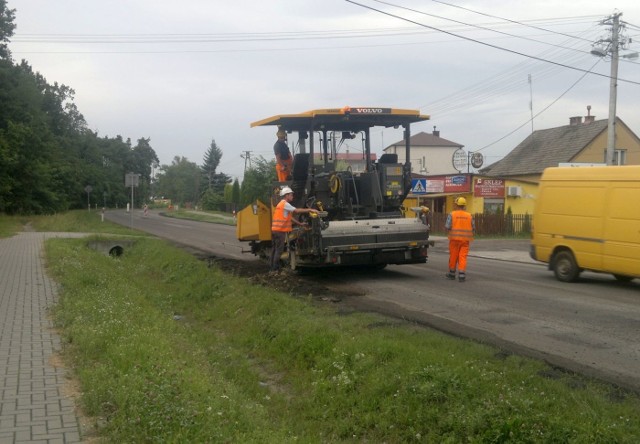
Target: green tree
{"type": "Point", "coordinates": [211, 161]}
{"type": "Point", "coordinates": [257, 181]}
{"type": "Point", "coordinates": [179, 181]}
{"type": "Point", "coordinates": [213, 179]}
{"type": "Point", "coordinates": [114, 164]}
{"type": "Point", "coordinates": [213, 197]}
{"type": "Point", "coordinates": [212, 201]}
{"type": "Point", "coordinates": [34, 160]}
{"type": "Point", "coordinates": [47, 154]}
{"type": "Point", "coordinates": [143, 157]}
{"type": "Point", "coordinates": [228, 193]}
{"type": "Point", "coordinates": [7, 16]}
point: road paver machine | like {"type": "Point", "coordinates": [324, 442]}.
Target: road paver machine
{"type": "Point", "coordinates": [362, 219]}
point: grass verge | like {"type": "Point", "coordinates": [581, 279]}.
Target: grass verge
{"type": "Point", "coordinates": [169, 350]}
{"type": "Point", "coordinates": [10, 225]}
{"type": "Point", "coordinates": [76, 221]}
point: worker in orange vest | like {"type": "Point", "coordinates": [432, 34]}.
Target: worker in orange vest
{"type": "Point", "coordinates": [282, 225]}
{"type": "Point", "coordinates": [460, 228]}
{"type": "Point", "coordinates": [284, 160]}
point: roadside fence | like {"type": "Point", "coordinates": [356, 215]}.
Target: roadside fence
{"type": "Point", "coordinates": [516, 225]}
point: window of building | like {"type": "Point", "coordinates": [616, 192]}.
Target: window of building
{"type": "Point", "coordinates": [493, 206]}
{"type": "Point", "coordinates": [619, 157]}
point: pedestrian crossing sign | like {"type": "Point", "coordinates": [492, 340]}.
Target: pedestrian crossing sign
{"type": "Point", "coordinates": [418, 186]}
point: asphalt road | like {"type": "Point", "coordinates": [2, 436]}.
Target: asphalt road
{"type": "Point", "coordinates": [591, 327]}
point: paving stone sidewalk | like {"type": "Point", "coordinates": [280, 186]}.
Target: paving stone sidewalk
{"type": "Point", "coordinates": [33, 406]}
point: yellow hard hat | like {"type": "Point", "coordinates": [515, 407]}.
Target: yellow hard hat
{"type": "Point", "coordinates": [460, 201]}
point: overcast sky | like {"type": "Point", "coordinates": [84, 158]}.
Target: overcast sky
{"type": "Point", "coordinates": [184, 73]}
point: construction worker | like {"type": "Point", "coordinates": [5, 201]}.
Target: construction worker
{"type": "Point", "coordinates": [460, 227]}
{"type": "Point", "coordinates": [284, 160]}
{"type": "Point", "coordinates": [282, 225]}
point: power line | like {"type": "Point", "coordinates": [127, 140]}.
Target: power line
{"type": "Point", "coordinates": [231, 37]}
{"type": "Point", "coordinates": [485, 43]}
{"type": "Point", "coordinates": [469, 24]}
{"type": "Point", "coordinates": [495, 85]}
{"type": "Point", "coordinates": [505, 19]}
{"type": "Point", "coordinates": [542, 110]}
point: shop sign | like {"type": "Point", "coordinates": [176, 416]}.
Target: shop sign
{"type": "Point", "coordinates": [483, 187]}
{"type": "Point", "coordinates": [435, 186]}
{"type": "Point", "coordinates": [457, 184]}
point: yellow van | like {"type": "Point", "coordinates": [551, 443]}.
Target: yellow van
{"type": "Point", "coordinates": [588, 218]}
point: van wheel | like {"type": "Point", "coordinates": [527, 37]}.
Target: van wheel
{"type": "Point", "coordinates": [623, 278]}
{"type": "Point", "coordinates": [565, 267]}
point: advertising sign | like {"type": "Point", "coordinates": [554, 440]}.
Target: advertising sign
{"type": "Point", "coordinates": [477, 160]}
{"type": "Point", "coordinates": [483, 187]}
{"type": "Point", "coordinates": [435, 186]}
{"type": "Point", "coordinates": [459, 160]}
{"type": "Point", "coordinates": [457, 184]}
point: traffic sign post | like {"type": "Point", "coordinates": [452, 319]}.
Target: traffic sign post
{"type": "Point", "coordinates": [131, 180]}
{"type": "Point", "coordinates": [418, 186]}
{"type": "Point", "coordinates": [88, 189]}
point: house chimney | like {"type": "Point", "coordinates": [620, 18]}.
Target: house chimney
{"type": "Point", "coordinates": [577, 120]}
{"type": "Point", "coordinates": [436, 133]}
{"type": "Point", "coordinates": [589, 118]}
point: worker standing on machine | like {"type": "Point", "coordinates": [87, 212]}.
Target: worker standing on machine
{"type": "Point", "coordinates": [282, 225]}
{"type": "Point", "coordinates": [284, 160]}
{"type": "Point", "coordinates": [460, 227]}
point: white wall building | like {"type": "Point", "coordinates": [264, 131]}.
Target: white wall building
{"type": "Point", "coordinates": [430, 154]}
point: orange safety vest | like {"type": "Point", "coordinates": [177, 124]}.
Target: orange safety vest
{"type": "Point", "coordinates": [461, 226]}
{"type": "Point", "coordinates": [280, 221]}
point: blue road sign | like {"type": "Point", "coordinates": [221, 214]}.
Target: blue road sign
{"type": "Point", "coordinates": [418, 186]}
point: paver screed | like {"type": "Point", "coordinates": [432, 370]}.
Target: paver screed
{"type": "Point", "coordinates": [33, 407]}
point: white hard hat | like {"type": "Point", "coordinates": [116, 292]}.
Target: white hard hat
{"type": "Point", "coordinates": [285, 190]}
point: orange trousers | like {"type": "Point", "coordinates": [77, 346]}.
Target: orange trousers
{"type": "Point", "coordinates": [283, 168]}
{"type": "Point", "coordinates": [458, 252]}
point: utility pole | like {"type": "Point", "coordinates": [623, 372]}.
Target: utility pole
{"type": "Point", "coordinates": [531, 100]}
{"type": "Point", "coordinates": [602, 48]}
{"type": "Point", "coordinates": [247, 159]}
{"type": "Point", "coordinates": [613, 88]}
{"type": "Point", "coordinates": [131, 180]}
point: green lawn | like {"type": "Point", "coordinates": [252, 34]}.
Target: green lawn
{"type": "Point", "coordinates": [167, 348]}
{"type": "Point", "coordinates": [77, 221]}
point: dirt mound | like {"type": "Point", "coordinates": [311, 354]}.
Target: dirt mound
{"type": "Point", "coordinates": [306, 283]}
